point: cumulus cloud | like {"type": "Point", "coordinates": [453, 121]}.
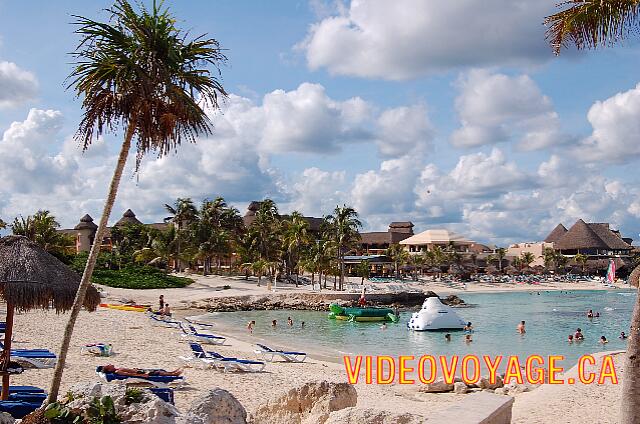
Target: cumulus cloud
{"type": "Point", "coordinates": [495, 108]}
{"type": "Point", "coordinates": [317, 192]}
{"type": "Point", "coordinates": [616, 129]}
{"type": "Point", "coordinates": [404, 38]}
{"type": "Point", "coordinates": [17, 86]}
{"type": "Point", "coordinates": [404, 130]}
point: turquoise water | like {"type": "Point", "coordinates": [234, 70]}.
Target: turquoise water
{"type": "Point", "coordinates": [550, 317]}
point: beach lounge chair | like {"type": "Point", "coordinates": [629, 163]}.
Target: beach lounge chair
{"type": "Point", "coordinates": [35, 358]}
{"type": "Point", "coordinates": [200, 357]}
{"type": "Point", "coordinates": [270, 355]}
{"type": "Point", "coordinates": [164, 394]}
{"type": "Point", "coordinates": [24, 389]}
{"type": "Point", "coordinates": [159, 381]}
{"type": "Point", "coordinates": [164, 321]}
{"type": "Point", "coordinates": [225, 363]}
{"type": "Point", "coordinates": [207, 338]}
{"type": "Point", "coordinates": [18, 409]}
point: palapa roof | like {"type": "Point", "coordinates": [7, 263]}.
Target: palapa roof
{"type": "Point", "coordinates": [436, 236]}
{"type": "Point", "coordinates": [382, 237]}
{"type": "Point", "coordinates": [590, 236]}
{"type": "Point", "coordinates": [556, 234]}
{"type": "Point", "coordinates": [31, 278]}
{"type": "Point", "coordinates": [128, 218]}
{"type": "Point", "coordinates": [86, 223]}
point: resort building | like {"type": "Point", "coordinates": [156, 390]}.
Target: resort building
{"type": "Point", "coordinates": [445, 239]}
{"type": "Point", "coordinates": [537, 249]}
{"type": "Point", "coordinates": [377, 242]}
{"type": "Point", "coordinates": [596, 240]}
{"type": "Point", "coordinates": [250, 216]}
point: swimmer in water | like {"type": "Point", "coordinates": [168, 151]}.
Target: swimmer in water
{"type": "Point", "coordinates": [578, 336]}
{"type": "Point", "coordinates": [250, 326]}
{"type": "Point", "coordinates": [468, 339]}
{"type": "Point", "coordinates": [447, 337]}
{"type": "Point", "coordinates": [570, 338]}
{"type": "Point", "coordinates": [520, 328]}
{"type": "Point", "coordinates": [302, 324]}
{"type": "Point", "coordinates": [468, 327]}
{"type": "Point", "coordinates": [274, 323]}
{"type": "Point", "coordinates": [603, 340]}
{"type": "Point", "coordinates": [383, 326]}
{"type": "Point", "coordinates": [289, 322]}
{"type": "Point", "coordinates": [590, 314]}
{"type": "Point", "coordinates": [622, 335]}
{"type": "Point", "coordinates": [597, 315]}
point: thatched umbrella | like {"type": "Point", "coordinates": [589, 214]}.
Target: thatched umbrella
{"type": "Point", "coordinates": [31, 278]}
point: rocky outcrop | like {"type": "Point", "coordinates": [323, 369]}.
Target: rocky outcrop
{"type": "Point", "coordinates": [310, 403]}
{"type": "Point", "coordinates": [217, 406]}
{"type": "Point", "coordinates": [6, 418]}
{"type": "Point", "coordinates": [438, 386]}
{"type": "Point", "coordinates": [371, 416]}
{"type": "Point", "coordinates": [315, 301]}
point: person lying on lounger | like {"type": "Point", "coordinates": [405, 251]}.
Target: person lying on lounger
{"type": "Point", "coordinates": [138, 372]}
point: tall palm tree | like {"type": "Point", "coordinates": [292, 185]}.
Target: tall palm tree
{"type": "Point", "coordinates": [183, 216]}
{"type": "Point", "coordinates": [140, 73]}
{"type": "Point", "coordinates": [399, 256]}
{"type": "Point", "coordinates": [592, 23]}
{"type": "Point", "coordinates": [42, 228]}
{"type": "Point", "coordinates": [549, 255]}
{"type": "Point", "coordinates": [527, 258]}
{"type": "Point", "coordinates": [343, 226]}
{"type": "Point", "coordinates": [581, 260]}
{"type": "Point", "coordinates": [295, 237]}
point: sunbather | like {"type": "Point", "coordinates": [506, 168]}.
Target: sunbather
{"type": "Point", "coordinates": [139, 372]}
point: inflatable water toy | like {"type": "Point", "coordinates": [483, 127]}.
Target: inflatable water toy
{"type": "Point", "coordinates": [435, 315]}
{"type": "Point", "coordinates": [361, 314]}
{"type": "Point", "coordinates": [132, 308]}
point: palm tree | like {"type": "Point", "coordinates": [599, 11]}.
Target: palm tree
{"type": "Point", "coordinates": [295, 237]}
{"type": "Point", "coordinates": [343, 226]}
{"type": "Point", "coordinates": [592, 23]}
{"type": "Point", "coordinates": [550, 256]}
{"type": "Point", "coordinates": [527, 259]}
{"type": "Point", "coordinates": [363, 269]}
{"type": "Point", "coordinates": [259, 268]}
{"type": "Point", "coordinates": [581, 260]}
{"type": "Point", "coordinates": [42, 228]}
{"type": "Point", "coordinates": [501, 253]}
{"type": "Point", "coordinates": [183, 216]}
{"type": "Point", "coordinates": [3, 224]}
{"type": "Point", "coordinates": [138, 71]}
{"type": "Point", "coordinates": [398, 255]}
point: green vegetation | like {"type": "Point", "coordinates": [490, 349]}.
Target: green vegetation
{"type": "Point", "coordinates": [100, 411]}
{"type": "Point", "coordinates": [129, 276]}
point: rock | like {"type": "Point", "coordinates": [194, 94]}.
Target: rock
{"type": "Point", "coordinates": [452, 300]}
{"type": "Point", "coordinates": [460, 388]}
{"type": "Point", "coordinates": [438, 386]}
{"type": "Point", "coordinates": [218, 406]}
{"type": "Point", "coordinates": [515, 388]}
{"type": "Point", "coordinates": [6, 418]}
{"type": "Point", "coordinates": [501, 391]}
{"type": "Point", "coordinates": [484, 383]}
{"type": "Point", "coordinates": [371, 416]}
{"type": "Point", "coordinates": [488, 390]}
{"type": "Point", "coordinates": [307, 404]}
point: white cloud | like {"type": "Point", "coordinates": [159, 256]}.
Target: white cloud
{"type": "Point", "coordinates": [17, 86]}
{"type": "Point", "coordinates": [404, 130]}
{"type": "Point", "coordinates": [317, 192]}
{"type": "Point", "coordinates": [616, 129]}
{"type": "Point", "coordinates": [495, 108]}
{"type": "Point", "coordinates": [408, 38]}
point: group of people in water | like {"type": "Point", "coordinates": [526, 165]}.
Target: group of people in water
{"type": "Point", "coordinates": [274, 324]}
{"type": "Point", "coordinates": [578, 336]}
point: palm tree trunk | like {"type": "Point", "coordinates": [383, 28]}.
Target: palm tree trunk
{"type": "Point", "coordinates": [341, 271]}
{"type": "Point", "coordinates": [630, 402]}
{"type": "Point", "coordinates": [85, 282]}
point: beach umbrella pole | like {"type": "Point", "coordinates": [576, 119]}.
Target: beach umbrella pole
{"type": "Point", "coordinates": [6, 352]}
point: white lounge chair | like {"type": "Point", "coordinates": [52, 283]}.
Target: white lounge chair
{"type": "Point", "coordinates": [195, 335]}
{"type": "Point", "coordinates": [159, 381]}
{"type": "Point", "coordinates": [223, 363]}
{"type": "Point", "coordinates": [270, 355]}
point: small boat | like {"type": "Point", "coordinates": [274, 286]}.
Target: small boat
{"type": "Point", "coordinates": [435, 316]}
{"type": "Point", "coordinates": [132, 308]}
{"type": "Point", "coordinates": [361, 314]}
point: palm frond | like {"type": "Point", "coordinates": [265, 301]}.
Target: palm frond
{"type": "Point", "coordinates": [592, 23]}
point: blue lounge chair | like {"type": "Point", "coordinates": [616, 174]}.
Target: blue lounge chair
{"type": "Point", "coordinates": [28, 397]}
{"type": "Point", "coordinates": [36, 358]}
{"type": "Point", "coordinates": [207, 338]}
{"type": "Point", "coordinates": [159, 381]}
{"type": "Point", "coordinates": [18, 409]}
{"type": "Point", "coordinates": [164, 394]}
{"type": "Point", "coordinates": [225, 363]}
{"type": "Point", "coordinates": [269, 354]}
{"type": "Point", "coordinates": [24, 389]}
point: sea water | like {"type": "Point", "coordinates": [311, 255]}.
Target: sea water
{"type": "Point", "coordinates": [550, 317]}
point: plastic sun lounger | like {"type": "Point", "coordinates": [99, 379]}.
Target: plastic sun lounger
{"type": "Point", "coordinates": [164, 322]}
{"type": "Point", "coordinates": [206, 338]}
{"type": "Point", "coordinates": [38, 359]}
{"type": "Point", "coordinates": [225, 363]}
{"type": "Point", "coordinates": [199, 356]}
{"type": "Point", "coordinates": [269, 354]}
{"type": "Point", "coordinates": [24, 389]}
{"type": "Point", "coordinates": [159, 381]}
{"type": "Point", "coordinates": [164, 394]}
{"type": "Point", "coordinates": [28, 397]}
{"type": "Point", "coordinates": [18, 409]}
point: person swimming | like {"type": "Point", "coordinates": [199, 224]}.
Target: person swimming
{"type": "Point", "coordinates": [603, 340]}
{"type": "Point", "coordinates": [578, 336]}
{"type": "Point", "coordinates": [590, 314]}
{"type": "Point", "coordinates": [520, 328]}
{"type": "Point", "coordinates": [447, 337]}
{"type": "Point", "coordinates": [289, 322]}
{"type": "Point", "coordinates": [468, 339]}
{"type": "Point", "coordinates": [274, 323]}
{"type": "Point", "coordinates": [622, 336]}
{"type": "Point", "coordinates": [302, 324]}
{"type": "Point", "coordinates": [468, 328]}
{"type": "Point", "coordinates": [570, 338]}
{"type": "Point", "coordinates": [597, 315]}
{"type": "Point", "coordinates": [250, 326]}
{"type": "Point", "coordinates": [383, 326]}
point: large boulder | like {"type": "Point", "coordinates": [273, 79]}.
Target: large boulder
{"type": "Point", "coordinates": [371, 416]}
{"type": "Point", "coordinates": [6, 418]}
{"type": "Point", "coordinates": [307, 404]}
{"type": "Point", "coordinates": [217, 406]}
{"type": "Point", "coordinates": [438, 386]}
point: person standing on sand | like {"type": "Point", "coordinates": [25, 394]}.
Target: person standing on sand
{"type": "Point", "coordinates": [520, 328]}
{"type": "Point", "coordinates": [161, 303]}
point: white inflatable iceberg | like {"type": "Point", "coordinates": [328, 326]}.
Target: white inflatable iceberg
{"type": "Point", "coordinates": [435, 315]}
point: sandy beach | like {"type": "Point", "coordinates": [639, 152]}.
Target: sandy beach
{"type": "Point", "coordinates": [138, 343]}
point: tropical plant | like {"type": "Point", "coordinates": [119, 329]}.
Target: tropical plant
{"type": "Point", "coordinates": [581, 260]}
{"type": "Point", "coordinates": [363, 270]}
{"type": "Point", "coordinates": [3, 224]}
{"type": "Point", "coordinates": [42, 228]}
{"type": "Point", "coordinates": [141, 73]}
{"type": "Point", "coordinates": [260, 268]}
{"type": "Point", "coordinates": [295, 237]}
{"type": "Point", "coordinates": [183, 216]}
{"type": "Point", "coordinates": [342, 228]}
{"type": "Point", "coordinates": [592, 23]}
{"type": "Point", "coordinates": [527, 258]}
{"type": "Point", "coordinates": [500, 254]}
{"type": "Point", "coordinates": [399, 256]}
{"type": "Point", "coordinates": [549, 255]}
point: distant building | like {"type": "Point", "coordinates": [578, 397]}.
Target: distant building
{"type": "Point", "coordinates": [596, 240]}
{"type": "Point", "coordinates": [537, 249]}
{"type": "Point", "coordinates": [442, 238]}
{"type": "Point", "coordinates": [377, 242]}
{"type": "Point", "coordinates": [250, 216]}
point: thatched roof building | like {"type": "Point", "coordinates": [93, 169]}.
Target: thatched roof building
{"type": "Point", "coordinates": [592, 239]}
{"type": "Point", "coordinates": [556, 234]}
{"type": "Point", "coordinates": [128, 218]}
{"type": "Point", "coordinates": [250, 216]}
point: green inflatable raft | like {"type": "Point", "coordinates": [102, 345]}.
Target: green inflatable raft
{"type": "Point", "coordinates": [361, 314]}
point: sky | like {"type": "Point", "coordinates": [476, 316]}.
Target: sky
{"type": "Point", "coordinates": [448, 114]}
